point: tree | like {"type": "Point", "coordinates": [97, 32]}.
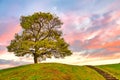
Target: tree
{"type": "Point", "coordinates": [41, 37]}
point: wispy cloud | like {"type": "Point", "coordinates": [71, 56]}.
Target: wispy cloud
{"type": "Point", "coordinates": [100, 38]}
{"type": "Point", "coordinates": [10, 63]}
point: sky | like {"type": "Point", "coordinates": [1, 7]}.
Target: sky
{"type": "Point", "coordinates": [91, 27]}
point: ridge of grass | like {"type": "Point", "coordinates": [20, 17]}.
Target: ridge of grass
{"type": "Point", "coordinates": [50, 71]}
{"type": "Point", "coordinates": [113, 69]}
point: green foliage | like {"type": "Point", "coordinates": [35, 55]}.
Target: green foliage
{"type": "Point", "coordinates": [41, 37]}
{"type": "Point", "coordinates": [50, 71]}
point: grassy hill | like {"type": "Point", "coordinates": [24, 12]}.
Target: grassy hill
{"type": "Point", "coordinates": [49, 71]}
{"type": "Point", "coordinates": [113, 69]}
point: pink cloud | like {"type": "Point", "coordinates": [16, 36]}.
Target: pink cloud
{"type": "Point", "coordinates": [112, 44]}
{"type": "Point", "coordinates": [2, 51]}
{"type": "Point", "coordinates": [114, 5]}
{"type": "Point", "coordinates": [72, 34]}
{"type": "Point", "coordinates": [10, 28]}
{"type": "Point", "coordinates": [9, 35]}
{"type": "Point", "coordinates": [104, 34]}
{"type": "Point", "coordinates": [112, 16]}
{"type": "Point", "coordinates": [72, 27]}
{"type": "Point", "coordinates": [101, 56]}
{"type": "Point", "coordinates": [71, 21]}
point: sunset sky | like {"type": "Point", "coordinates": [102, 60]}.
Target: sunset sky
{"type": "Point", "coordinates": [91, 27]}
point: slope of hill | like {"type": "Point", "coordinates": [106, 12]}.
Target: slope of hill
{"type": "Point", "coordinates": [49, 71]}
{"type": "Point", "coordinates": [113, 69]}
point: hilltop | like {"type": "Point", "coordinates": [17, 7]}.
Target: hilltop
{"type": "Point", "coordinates": [49, 71]}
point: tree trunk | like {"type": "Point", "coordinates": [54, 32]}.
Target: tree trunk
{"type": "Point", "coordinates": [35, 58]}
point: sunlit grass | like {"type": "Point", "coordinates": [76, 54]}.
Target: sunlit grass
{"type": "Point", "coordinates": [50, 71]}
{"type": "Point", "coordinates": [113, 69]}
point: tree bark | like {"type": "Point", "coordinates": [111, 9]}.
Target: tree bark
{"type": "Point", "coordinates": [35, 59]}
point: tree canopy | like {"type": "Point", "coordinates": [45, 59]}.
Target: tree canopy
{"type": "Point", "coordinates": [41, 37]}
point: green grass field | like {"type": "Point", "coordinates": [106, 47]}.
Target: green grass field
{"type": "Point", "coordinates": [113, 69]}
{"type": "Point", "coordinates": [50, 71]}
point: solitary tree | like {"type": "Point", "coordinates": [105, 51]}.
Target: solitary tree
{"type": "Point", "coordinates": [41, 37]}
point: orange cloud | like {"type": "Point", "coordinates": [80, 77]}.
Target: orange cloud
{"type": "Point", "coordinates": [108, 45]}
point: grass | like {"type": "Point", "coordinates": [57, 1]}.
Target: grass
{"type": "Point", "coordinates": [113, 69]}
{"type": "Point", "coordinates": [49, 71]}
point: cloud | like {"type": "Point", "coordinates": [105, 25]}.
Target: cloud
{"type": "Point", "coordinates": [114, 6]}
{"type": "Point", "coordinates": [2, 49]}
{"type": "Point", "coordinates": [8, 30]}
{"type": "Point", "coordinates": [10, 60]}
{"type": "Point", "coordinates": [101, 34]}
{"type": "Point", "coordinates": [11, 29]}
{"type": "Point", "coordinates": [11, 63]}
